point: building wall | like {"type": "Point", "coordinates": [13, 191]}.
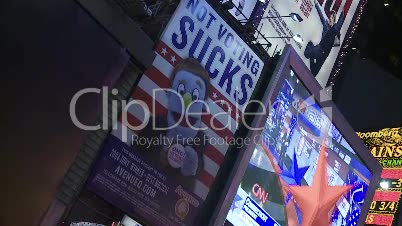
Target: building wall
{"type": "Point", "coordinates": [49, 51]}
{"type": "Point", "coordinates": [369, 97]}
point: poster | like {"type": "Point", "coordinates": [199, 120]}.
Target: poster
{"type": "Point", "coordinates": [386, 147]}
{"type": "Point", "coordinates": [160, 168]}
{"type": "Point", "coordinates": [323, 29]}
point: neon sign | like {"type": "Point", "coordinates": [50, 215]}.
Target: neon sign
{"type": "Point", "coordinates": [386, 147]}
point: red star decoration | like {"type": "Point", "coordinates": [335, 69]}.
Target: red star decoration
{"type": "Point", "coordinates": [316, 202]}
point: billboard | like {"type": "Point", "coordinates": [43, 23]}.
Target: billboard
{"type": "Point", "coordinates": [160, 169]}
{"type": "Point", "coordinates": [308, 167]}
{"type": "Point", "coordinates": [323, 29]}
{"type": "Point", "coordinates": [288, 156]}
{"type": "Point", "coordinates": [386, 146]}
{"type": "Point", "coordinates": [243, 9]}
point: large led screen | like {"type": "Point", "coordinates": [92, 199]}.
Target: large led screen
{"type": "Point", "coordinates": [287, 154]}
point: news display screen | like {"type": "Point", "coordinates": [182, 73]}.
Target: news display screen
{"type": "Point", "coordinates": [287, 155]}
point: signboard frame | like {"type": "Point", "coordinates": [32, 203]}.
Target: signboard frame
{"type": "Point", "coordinates": [290, 59]}
{"type": "Point", "coordinates": [192, 33]}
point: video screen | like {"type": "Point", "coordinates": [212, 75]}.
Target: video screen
{"type": "Point", "coordinates": [287, 155]}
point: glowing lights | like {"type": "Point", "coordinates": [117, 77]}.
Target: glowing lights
{"type": "Point", "coordinates": [298, 39]}
{"type": "Point", "coordinates": [384, 185]}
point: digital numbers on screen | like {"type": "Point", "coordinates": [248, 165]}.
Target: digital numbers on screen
{"type": "Point", "coordinates": [383, 206]}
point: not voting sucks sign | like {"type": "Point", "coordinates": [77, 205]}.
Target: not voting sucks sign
{"type": "Point", "coordinates": [197, 31]}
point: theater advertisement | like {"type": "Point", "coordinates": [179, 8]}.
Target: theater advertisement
{"type": "Point", "coordinates": [161, 159]}
{"type": "Point", "coordinates": [324, 27]}
{"type": "Point", "coordinates": [386, 147]}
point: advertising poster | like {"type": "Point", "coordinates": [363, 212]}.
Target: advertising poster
{"type": "Point", "coordinates": [386, 147]}
{"type": "Point", "coordinates": [160, 169]}
{"type": "Point", "coordinates": [323, 29]}
{"type": "Point", "coordinates": [287, 156]}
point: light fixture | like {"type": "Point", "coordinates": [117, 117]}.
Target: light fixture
{"type": "Point", "coordinates": [298, 39]}
{"type": "Point", "coordinates": [384, 185]}
{"type": "Point", "coordinates": [268, 45]}
{"type": "Point", "coordinates": [228, 5]}
{"type": "Point", "coordinates": [386, 4]}
{"type": "Point", "coordinates": [296, 17]}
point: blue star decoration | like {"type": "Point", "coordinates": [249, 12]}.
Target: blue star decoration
{"type": "Point", "coordinates": [295, 175]}
{"type": "Point", "coordinates": [236, 199]}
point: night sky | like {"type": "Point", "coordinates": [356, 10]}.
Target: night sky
{"type": "Point", "coordinates": [368, 96]}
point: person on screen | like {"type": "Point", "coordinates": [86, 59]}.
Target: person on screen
{"type": "Point", "coordinates": [183, 159]}
{"type": "Point", "coordinates": [330, 34]}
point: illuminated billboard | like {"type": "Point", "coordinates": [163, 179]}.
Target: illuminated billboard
{"type": "Point", "coordinates": [386, 146]}
{"type": "Point", "coordinates": [308, 166]}
{"type": "Point", "coordinates": [323, 29]}
{"type": "Point", "coordinates": [161, 168]}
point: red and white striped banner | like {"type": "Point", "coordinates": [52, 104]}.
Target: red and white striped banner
{"type": "Point", "coordinates": [157, 76]}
